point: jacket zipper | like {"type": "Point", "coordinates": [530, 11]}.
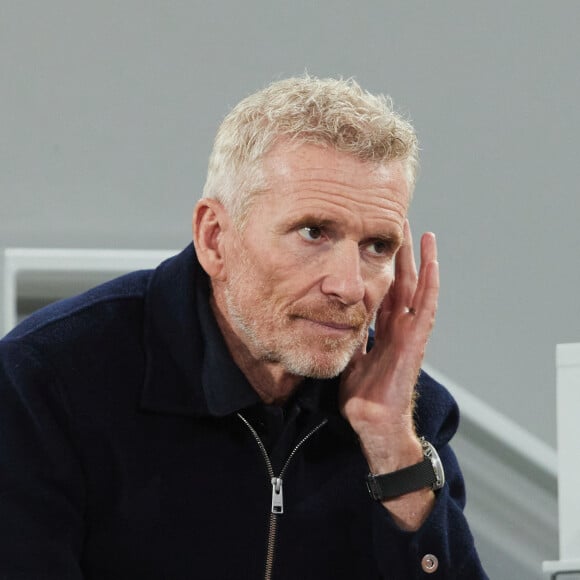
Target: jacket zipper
{"type": "Point", "coordinates": [277, 495]}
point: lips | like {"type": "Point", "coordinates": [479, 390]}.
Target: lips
{"type": "Point", "coordinates": [330, 320]}
{"type": "Point", "coordinates": [332, 324]}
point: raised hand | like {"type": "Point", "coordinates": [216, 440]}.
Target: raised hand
{"type": "Point", "coordinates": [377, 389]}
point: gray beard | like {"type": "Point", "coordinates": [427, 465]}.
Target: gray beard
{"type": "Point", "coordinates": [296, 361]}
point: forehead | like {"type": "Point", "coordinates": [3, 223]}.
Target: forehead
{"type": "Point", "coordinates": [310, 178]}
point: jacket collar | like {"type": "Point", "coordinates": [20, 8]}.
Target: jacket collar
{"type": "Point", "coordinates": [188, 369]}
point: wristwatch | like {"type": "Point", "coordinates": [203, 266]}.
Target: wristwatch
{"type": "Point", "coordinates": [428, 473]}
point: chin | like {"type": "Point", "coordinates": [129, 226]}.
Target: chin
{"type": "Point", "coordinates": [323, 374]}
{"type": "Point", "coordinates": [317, 366]}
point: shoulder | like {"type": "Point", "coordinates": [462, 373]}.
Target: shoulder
{"type": "Point", "coordinates": [77, 351]}
{"type": "Point", "coordinates": [78, 332]}
{"type": "Point", "coordinates": [436, 411]}
{"type": "Point", "coordinates": [71, 314]}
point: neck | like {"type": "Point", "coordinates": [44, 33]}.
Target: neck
{"type": "Point", "coordinates": [271, 381]}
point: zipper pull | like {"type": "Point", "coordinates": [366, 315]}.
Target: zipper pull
{"type": "Point", "coordinates": [277, 498]}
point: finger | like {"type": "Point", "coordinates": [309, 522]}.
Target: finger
{"type": "Point", "coordinates": [428, 250]}
{"type": "Point", "coordinates": [428, 247]}
{"type": "Point", "coordinates": [428, 256]}
{"type": "Point", "coordinates": [405, 271]}
{"type": "Point", "coordinates": [426, 296]}
{"type": "Point", "coordinates": [427, 308]}
{"type": "Point", "coordinates": [384, 313]}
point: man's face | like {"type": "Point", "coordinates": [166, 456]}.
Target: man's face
{"type": "Point", "coordinates": [306, 275]}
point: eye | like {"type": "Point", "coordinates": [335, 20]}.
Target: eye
{"type": "Point", "coordinates": [379, 248]}
{"type": "Point", "coordinates": [311, 233]}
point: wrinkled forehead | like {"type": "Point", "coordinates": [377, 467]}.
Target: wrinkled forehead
{"type": "Point", "coordinates": [316, 172]}
{"type": "Point", "coordinates": [293, 167]}
{"type": "Point", "coordinates": [321, 185]}
{"type": "Point", "coordinates": [288, 158]}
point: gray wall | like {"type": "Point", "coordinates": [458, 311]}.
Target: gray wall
{"type": "Point", "coordinates": [108, 110]}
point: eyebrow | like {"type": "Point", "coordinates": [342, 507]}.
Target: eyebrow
{"type": "Point", "coordinates": [313, 219]}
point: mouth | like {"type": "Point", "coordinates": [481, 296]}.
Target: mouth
{"type": "Point", "coordinates": [335, 325]}
{"type": "Point", "coordinates": [330, 326]}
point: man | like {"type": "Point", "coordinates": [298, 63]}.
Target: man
{"type": "Point", "coordinates": [230, 415]}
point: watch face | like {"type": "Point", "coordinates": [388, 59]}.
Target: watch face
{"type": "Point", "coordinates": [439, 472]}
{"type": "Point", "coordinates": [430, 452]}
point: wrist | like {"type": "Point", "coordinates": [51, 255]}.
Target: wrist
{"type": "Point", "coordinates": [390, 452]}
{"type": "Point", "coordinates": [426, 474]}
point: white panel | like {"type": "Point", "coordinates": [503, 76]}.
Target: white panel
{"type": "Point", "coordinates": [568, 409]}
{"type": "Point", "coordinates": [568, 405]}
{"type": "Point", "coordinates": [31, 272]}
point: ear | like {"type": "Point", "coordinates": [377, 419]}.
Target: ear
{"type": "Point", "coordinates": [210, 223]}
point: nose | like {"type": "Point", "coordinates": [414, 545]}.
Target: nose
{"type": "Point", "coordinates": [343, 278]}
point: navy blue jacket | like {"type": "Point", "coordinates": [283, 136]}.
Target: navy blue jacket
{"type": "Point", "coordinates": [121, 457]}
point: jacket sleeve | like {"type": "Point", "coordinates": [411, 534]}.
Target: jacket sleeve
{"type": "Point", "coordinates": [443, 547]}
{"type": "Point", "coordinates": [41, 480]}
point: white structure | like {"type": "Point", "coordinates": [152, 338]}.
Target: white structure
{"type": "Point", "coordinates": [568, 405]}
{"type": "Point", "coordinates": [49, 274]}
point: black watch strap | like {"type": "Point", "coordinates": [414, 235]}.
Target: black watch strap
{"type": "Point", "coordinates": [400, 482]}
{"type": "Point", "coordinates": [429, 473]}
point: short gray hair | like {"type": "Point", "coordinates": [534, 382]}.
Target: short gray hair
{"type": "Point", "coordinates": [334, 113]}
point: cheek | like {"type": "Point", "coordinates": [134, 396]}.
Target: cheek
{"type": "Point", "coordinates": [286, 278]}
{"type": "Point", "coordinates": [266, 288]}
{"type": "Point", "coordinates": [378, 288]}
